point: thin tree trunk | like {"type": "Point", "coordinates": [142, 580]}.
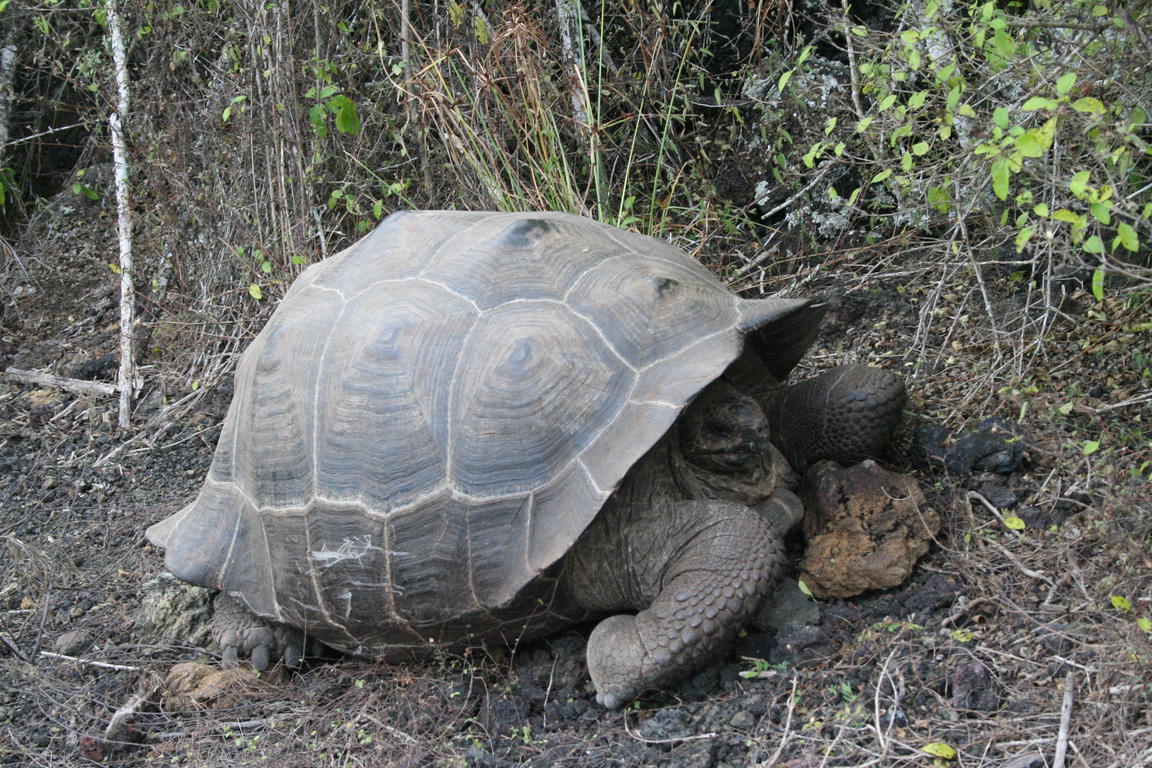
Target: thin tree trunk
{"type": "Point", "coordinates": [7, 75]}
{"type": "Point", "coordinates": [116, 121]}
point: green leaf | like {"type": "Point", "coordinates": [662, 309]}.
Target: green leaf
{"type": "Point", "coordinates": [887, 102]}
{"type": "Point", "coordinates": [1090, 447]}
{"type": "Point", "coordinates": [881, 176]}
{"type": "Point", "coordinates": [906, 162]}
{"type": "Point", "coordinates": [347, 119]}
{"type": "Point", "coordinates": [1003, 44]}
{"type": "Point", "coordinates": [1101, 212]}
{"type": "Point", "coordinates": [318, 116]}
{"type": "Point", "coordinates": [1039, 102]}
{"type": "Point", "coordinates": [965, 110]}
{"type": "Point", "coordinates": [954, 94]}
{"type": "Point", "coordinates": [1041, 209]}
{"type": "Point", "coordinates": [920, 148]}
{"type": "Point", "coordinates": [1014, 523]}
{"type": "Point", "coordinates": [1023, 236]}
{"type": "Point", "coordinates": [804, 588]}
{"type": "Point", "coordinates": [916, 100]}
{"type": "Point", "coordinates": [939, 749]}
{"type": "Point", "coordinates": [940, 198]}
{"type": "Point", "coordinates": [864, 123]}
{"type": "Point", "coordinates": [1001, 172]}
{"type": "Point", "coordinates": [913, 59]}
{"type": "Point", "coordinates": [1094, 245]}
{"type": "Point", "coordinates": [1000, 117]}
{"type": "Point", "coordinates": [829, 125]}
{"type": "Point", "coordinates": [963, 635]}
{"type": "Point", "coordinates": [255, 292]}
{"type": "Point", "coordinates": [1145, 624]}
{"type": "Point", "coordinates": [1089, 104]}
{"type": "Point", "coordinates": [910, 36]}
{"type": "Point", "coordinates": [1098, 283]}
{"type": "Point", "coordinates": [1065, 83]}
{"type": "Point", "coordinates": [1121, 603]}
{"type": "Point", "coordinates": [266, 267]}
{"type": "Point", "coordinates": [1031, 143]}
{"type": "Point", "coordinates": [1127, 236]}
{"type": "Point", "coordinates": [1068, 217]}
{"type": "Point", "coordinates": [1079, 183]}
{"type": "Point", "coordinates": [1065, 409]}
{"type": "Point", "coordinates": [783, 81]}
{"type": "Point", "coordinates": [480, 29]}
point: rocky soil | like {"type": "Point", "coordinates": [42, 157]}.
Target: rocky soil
{"type": "Point", "coordinates": [1021, 635]}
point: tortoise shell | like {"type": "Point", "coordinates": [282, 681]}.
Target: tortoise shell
{"type": "Point", "coordinates": [432, 417]}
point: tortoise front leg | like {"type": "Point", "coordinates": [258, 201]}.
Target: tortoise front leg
{"type": "Point", "coordinates": [720, 559]}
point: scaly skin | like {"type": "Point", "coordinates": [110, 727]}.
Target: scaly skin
{"type": "Point", "coordinates": [241, 634]}
{"type": "Point", "coordinates": [725, 565]}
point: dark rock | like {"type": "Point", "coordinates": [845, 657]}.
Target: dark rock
{"type": "Point", "coordinates": [73, 643]}
{"type": "Point", "coordinates": [742, 720]}
{"type": "Point", "coordinates": [998, 495]}
{"type": "Point", "coordinates": [973, 688]}
{"type": "Point", "coordinates": [478, 757]}
{"type": "Point", "coordinates": [802, 647]}
{"type": "Point", "coordinates": [785, 606]}
{"type": "Point", "coordinates": [99, 368]}
{"type": "Point", "coordinates": [895, 718]}
{"type": "Point", "coordinates": [665, 724]}
{"type": "Point", "coordinates": [937, 591]}
{"type": "Point", "coordinates": [504, 714]}
{"type": "Point", "coordinates": [1055, 639]}
{"type": "Point", "coordinates": [702, 685]}
{"type": "Point", "coordinates": [993, 445]}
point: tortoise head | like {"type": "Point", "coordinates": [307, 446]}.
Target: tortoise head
{"type": "Point", "coordinates": [723, 430]}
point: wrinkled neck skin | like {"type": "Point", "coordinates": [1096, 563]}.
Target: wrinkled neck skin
{"type": "Point", "coordinates": [619, 561]}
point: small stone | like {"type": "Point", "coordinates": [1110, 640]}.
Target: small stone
{"type": "Point", "coordinates": [973, 688]}
{"type": "Point", "coordinates": [742, 721]}
{"type": "Point", "coordinates": [1054, 639]}
{"type": "Point", "coordinates": [74, 642]}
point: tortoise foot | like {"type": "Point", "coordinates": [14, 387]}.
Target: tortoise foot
{"type": "Point", "coordinates": [241, 634]}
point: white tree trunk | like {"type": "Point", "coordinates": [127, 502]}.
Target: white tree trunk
{"type": "Point", "coordinates": [7, 75]}
{"type": "Point", "coordinates": [127, 378]}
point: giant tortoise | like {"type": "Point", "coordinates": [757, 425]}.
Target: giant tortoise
{"type": "Point", "coordinates": [476, 428]}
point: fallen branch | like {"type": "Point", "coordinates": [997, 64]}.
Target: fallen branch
{"type": "Point", "coordinates": [90, 662]}
{"type": "Point", "coordinates": [76, 386]}
{"type": "Point", "coordinates": [1065, 720]}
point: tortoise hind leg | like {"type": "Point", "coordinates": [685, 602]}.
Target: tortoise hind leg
{"type": "Point", "coordinates": [242, 634]}
{"type": "Point", "coordinates": [712, 579]}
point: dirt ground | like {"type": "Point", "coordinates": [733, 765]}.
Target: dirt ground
{"type": "Point", "coordinates": [1020, 641]}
